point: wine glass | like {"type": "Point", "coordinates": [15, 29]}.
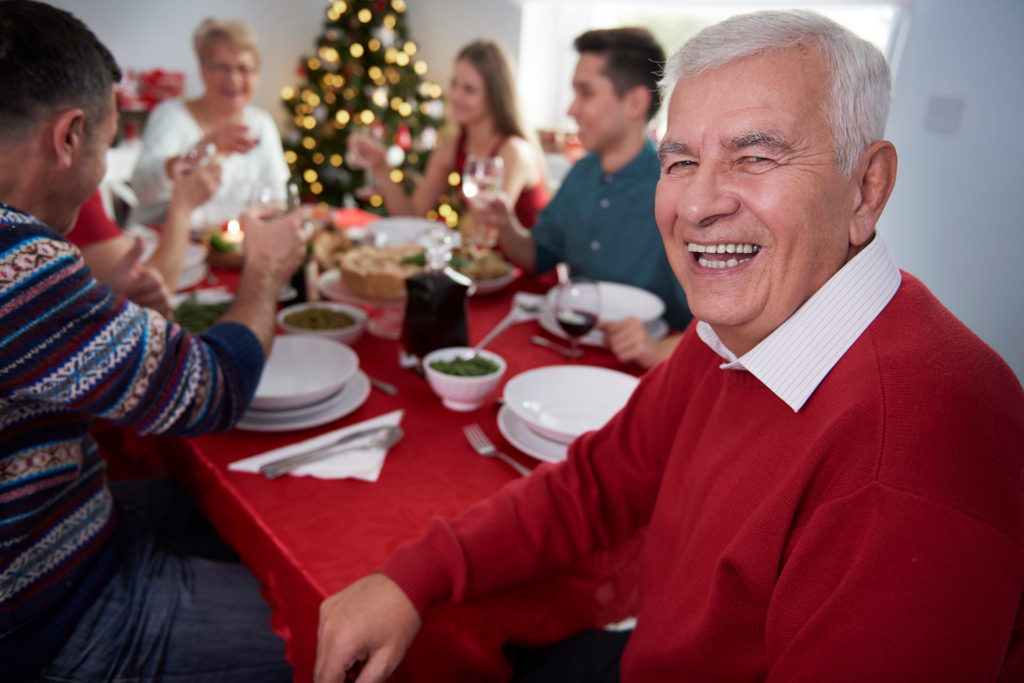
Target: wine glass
{"type": "Point", "coordinates": [269, 201]}
{"type": "Point", "coordinates": [482, 180]}
{"type": "Point", "coordinates": [577, 309]}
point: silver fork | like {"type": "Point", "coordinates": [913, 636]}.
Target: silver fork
{"type": "Point", "coordinates": [482, 445]}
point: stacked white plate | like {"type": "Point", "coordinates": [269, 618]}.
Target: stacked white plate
{"type": "Point", "coordinates": [306, 382]}
{"type": "Point", "coordinates": [546, 408]}
{"type": "Point", "coordinates": [618, 301]}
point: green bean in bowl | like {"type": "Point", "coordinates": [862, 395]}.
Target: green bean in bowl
{"type": "Point", "coordinates": [462, 377]}
{"type": "Point", "coordinates": [332, 319]}
{"type": "Point", "coordinates": [474, 366]}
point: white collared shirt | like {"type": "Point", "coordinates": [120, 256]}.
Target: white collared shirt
{"type": "Point", "coordinates": [794, 359]}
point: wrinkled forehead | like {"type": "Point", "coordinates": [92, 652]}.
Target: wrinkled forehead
{"type": "Point", "coordinates": [782, 88]}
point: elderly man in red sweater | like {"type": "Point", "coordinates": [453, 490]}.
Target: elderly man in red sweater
{"type": "Point", "coordinates": [829, 465]}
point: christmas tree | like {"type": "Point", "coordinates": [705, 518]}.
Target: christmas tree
{"type": "Point", "coordinates": [365, 76]}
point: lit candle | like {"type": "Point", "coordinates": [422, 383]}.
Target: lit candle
{"type": "Point", "coordinates": [229, 238]}
{"type": "Point", "coordinates": [233, 233]}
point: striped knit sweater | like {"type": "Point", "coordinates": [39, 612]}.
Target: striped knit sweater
{"type": "Point", "coordinates": [70, 350]}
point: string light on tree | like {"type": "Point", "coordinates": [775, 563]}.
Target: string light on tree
{"type": "Point", "coordinates": [363, 72]}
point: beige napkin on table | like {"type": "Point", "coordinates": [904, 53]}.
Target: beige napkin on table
{"type": "Point", "coordinates": [364, 463]}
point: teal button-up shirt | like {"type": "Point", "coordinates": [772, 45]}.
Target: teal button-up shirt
{"type": "Point", "coordinates": [602, 225]}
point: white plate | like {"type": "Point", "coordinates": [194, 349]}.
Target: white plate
{"type": "Point", "coordinates": [620, 301]}
{"type": "Point", "coordinates": [496, 284]}
{"type": "Point", "coordinates": [656, 328]}
{"type": "Point", "coordinates": [561, 402]}
{"type": "Point", "coordinates": [303, 370]}
{"type": "Point", "coordinates": [195, 252]}
{"type": "Point", "coordinates": [192, 276]}
{"type": "Point", "coordinates": [332, 287]}
{"type": "Point", "coordinates": [398, 230]}
{"type": "Point", "coordinates": [527, 440]}
{"type": "Point", "coordinates": [203, 296]}
{"type": "Point", "coordinates": [351, 397]}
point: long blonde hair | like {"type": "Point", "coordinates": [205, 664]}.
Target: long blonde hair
{"type": "Point", "coordinates": [490, 61]}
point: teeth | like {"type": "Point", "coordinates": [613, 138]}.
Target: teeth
{"type": "Point", "coordinates": [730, 263]}
{"type": "Point", "coordinates": [725, 248]}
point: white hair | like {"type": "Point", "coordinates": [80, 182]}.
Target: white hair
{"type": "Point", "coordinates": [861, 80]}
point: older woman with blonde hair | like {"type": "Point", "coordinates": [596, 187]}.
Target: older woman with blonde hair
{"type": "Point", "coordinates": [485, 107]}
{"type": "Point", "coordinates": [221, 121]}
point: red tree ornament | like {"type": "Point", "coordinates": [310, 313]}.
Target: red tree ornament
{"type": "Point", "coordinates": [403, 138]}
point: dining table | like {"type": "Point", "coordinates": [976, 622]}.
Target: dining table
{"type": "Point", "coordinates": [306, 538]}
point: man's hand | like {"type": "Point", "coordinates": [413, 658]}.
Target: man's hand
{"type": "Point", "coordinates": [276, 246]}
{"type": "Point", "coordinates": [140, 283]}
{"type": "Point", "coordinates": [630, 341]}
{"type": "Point", "coordinates": [371, 622]}
{"type": "Point", "coordinates": [271, 251]}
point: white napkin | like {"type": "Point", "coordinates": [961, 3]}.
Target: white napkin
{"type": "Point", "coordinates": [363, 463]}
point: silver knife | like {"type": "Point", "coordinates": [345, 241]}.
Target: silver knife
{"type": "Point", "coordinates": [376, 437]}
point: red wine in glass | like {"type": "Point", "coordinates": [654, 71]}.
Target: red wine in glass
{"type": "Point", "coordinates": [576, 323]}
{"type": "Point", "coordinates": [577, 307]}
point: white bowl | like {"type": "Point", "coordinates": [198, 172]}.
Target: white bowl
{"type": "Point", "coordinates": [346, 335]}
{"type": "Point", "coordinates": [560, 402]}
{"type": "Point", "coordinates": [302, 370]}
{"type": "Point", "coordinates": [462, 393]}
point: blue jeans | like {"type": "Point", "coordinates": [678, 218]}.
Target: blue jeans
{"type": "Point", "coordinates": [172, 613]}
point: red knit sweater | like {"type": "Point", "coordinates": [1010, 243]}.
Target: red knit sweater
{"type": "Point", "coordinates": [878, 534]}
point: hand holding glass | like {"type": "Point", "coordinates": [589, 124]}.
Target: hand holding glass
{"type": "Point", "coordinates": [577, 309]}
{"type": "Point", "coordinates": [482, 178]}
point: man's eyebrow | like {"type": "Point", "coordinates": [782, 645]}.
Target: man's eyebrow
{"type": "Point", "coordinates": [765, 139]}
{"type": "Point", "coordinates": [670, 147]}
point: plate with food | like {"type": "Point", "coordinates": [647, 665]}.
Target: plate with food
{"type": "Point", "coordinates": [371, 274]}
{"type": "Point", "coordinates": [198, 310]}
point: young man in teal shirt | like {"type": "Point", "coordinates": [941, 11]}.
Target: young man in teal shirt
{"type": "Point", "coordinates": [601, 221]}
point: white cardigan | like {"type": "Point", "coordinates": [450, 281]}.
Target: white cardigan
{"type": "Point", "coordinates": [170, 131]}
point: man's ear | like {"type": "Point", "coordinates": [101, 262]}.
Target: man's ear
{"type": "Point", "coordinates": [876, 176]}
{"type": "Point", "coordinates": [637, 99]}
{"type": "Point", "coordinates": [68, 135]}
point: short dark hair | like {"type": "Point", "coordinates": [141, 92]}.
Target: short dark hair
{"type": "Point", "coordinates": [634, 58]}
{"type": "Point", "coordinates": [50, 60]}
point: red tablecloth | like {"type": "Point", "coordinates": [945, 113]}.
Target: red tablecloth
{"type": "Point", "coordinates": [306, 538]}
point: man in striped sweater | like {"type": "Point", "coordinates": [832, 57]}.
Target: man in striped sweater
{"type": "Point", "coordinates": [827, 469]}
{"type": "Point", "coordinates": [85, 593]}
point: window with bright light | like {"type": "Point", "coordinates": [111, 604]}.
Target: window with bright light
{"type": "Point", "coordinates": [547, 59]}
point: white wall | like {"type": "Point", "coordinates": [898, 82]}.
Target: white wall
{"type": "Point", "coordinates": [955, 220]}
{"type": "Point", "coordinates": [143, 34]}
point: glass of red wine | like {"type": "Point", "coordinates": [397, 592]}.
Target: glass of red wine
{"type": "Point", "coordinates": [577, 309]}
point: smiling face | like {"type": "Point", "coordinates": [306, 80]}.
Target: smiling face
{"type": "Point", "coordinates": [753, 211]}
{"type": "Point", "coordinates": [601, 115]}
{"type": "Point", "coordinates": [467, 94]}
{"type": "Point", "coordinates": [230, 76]}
